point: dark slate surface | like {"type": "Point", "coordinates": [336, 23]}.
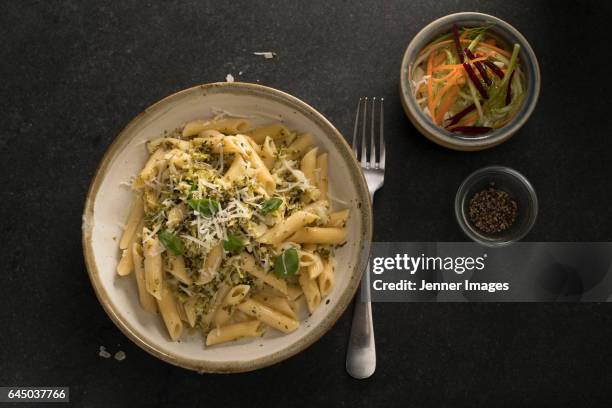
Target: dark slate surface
{"type": "Point", "coordinates": [74, 73]}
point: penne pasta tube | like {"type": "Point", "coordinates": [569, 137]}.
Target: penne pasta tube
{"type": "Point", "coordinates": [218, 297]}
{"type": "Point", "coordinates": [322, 179]}
{"type": "Point", "coordinates": [190, 311]}
{"type": "Point", "coordinates": [218, 142]}
{"type": "Point", "coordinates": [126, 263]}
{"type": "Point", "coordinates": [299, 146]}
{"type": "Point", "coordinates": [261, 171]}
{"type": "Point", "coordinates": [136, 214]}
{"type": "Point", "coordinates": [275, 131]}
{"type": "Point", "coordinates": [176, 266]}
{"type": "Point", "coordinates": [169, 143]}
{"type": "Point", "coordinates": [146, 300]}
{"type": "Point", "coordinates": [326, 279]}
{"type": "Point", "coordinates": [149, 170]}
{"type": "Point", "coordinates": [229, 126]}
{"type": "Point", "coordinates": [233, 297]}
{"type": "Point", "coordinates": [251, 328]}
{"type": "Point", "coordinates": [311, 291]}
{"type": "Point", "coordinates": [268, 315]}
{"type": "Point", "coordinates": [211, 264]}
{"type": "Point", "coordinates": [278, 303]}
{"type": "Point", "coordinates": [153, 266]}
{"type": "Point", "coordinates": [168, 309]}
{"type": "Point", "coordinates": [287, 227]}
{"type": "Point", "coordinates": [338, 218]}
{"type": "Point", "coordinates": [250, 266]}
{"type": "Point", "coordinates": [269, 153]}
{"type": "Point", "coordinates": [308, 165]}
{"type": "Point", "coordinates": [319, 235]}
{"type": "Point", "coordinates": [237, 170]}
{"type": "Point", "coordinates": [294, 292]}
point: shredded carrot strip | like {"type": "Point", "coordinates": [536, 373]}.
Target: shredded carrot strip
{"type": "Point", "coordinates": [448, 101]}
{"type": "Point", "coordinates": [430, 103]}
{"type": "Point", "coordinates": [439, 59]}
{"type": "Point", "coordinates": [451, 82]}
{"type": "Point", "coordinates": [446, 77]}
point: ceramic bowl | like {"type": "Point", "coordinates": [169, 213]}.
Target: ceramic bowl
{"type": "Point", "coordinates": [505, 33]}
{"type": "Point", "coordinates": [109, 199]}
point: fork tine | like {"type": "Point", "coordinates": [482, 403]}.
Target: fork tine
{"type": "Point", "coordinates": [354, 142]}
{"type": "Point", "coordinates": [373, 137]}
{"type": "Point", "coordinates": [364, 163]}
{"type": "Point", "coordinates": [382, 138]}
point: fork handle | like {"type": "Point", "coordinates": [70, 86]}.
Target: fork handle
{"type": "Point", "coordinates": [361, 354]}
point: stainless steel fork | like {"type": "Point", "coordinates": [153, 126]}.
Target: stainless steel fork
{"type": "Point", "coordinates": [361, 354]}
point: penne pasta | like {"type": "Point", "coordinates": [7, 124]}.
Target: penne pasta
{"type": "Point", "coordinates": [229, 126]}
{"type": "Point", "coordinates": [326, 279]}
{"type": "Point", "coordinates": [150, 169]}
{"type": "Point", "coordinates": [233, 297]}
{"type": "Point", "coordinates": [299, 146]}
{"type": "Point", "coordinates": [176, 266]}
{"type": "Point", "coordinates": [233, 231]}
{"type": "Point", "coordinates": [153, 265]}
{"type": "Point", "coordinates": [269, 153]}
{"type": "Point", "coordinates": [147, 301]}
{"type": "Point", "coordinates": [136, 214]}
{"type": "Point", "coordinates": [268, 315]}
{"type": "Point", "coordinates": [319, 235]}
{"type": "Point", "coordinates": [126, 263]}
{"type": "Point", "coordinates": [250, 266]}
{"type": "Point", "coordinates": [338, 218]}
{"type": "Point", "coordinates": [308, 165]}
{"type": "Point", "coordinates": [275, 131]}
{"type": "Point", "coordinates": [311, 291]}
{"type": "Point", "coordinates": [169, 312]}
{"type": "Point", "coordinates": [278, 303]}
{"type": "Point", "coordinates": [189, 307]}
{"type": "Point", "coordinates": [211, 265]}
{"type": "Point", "coordinates": [286, 228]}
{"type": "Point", "coordinates": [233, 332]}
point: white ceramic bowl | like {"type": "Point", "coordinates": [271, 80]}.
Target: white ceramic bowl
{"type": "Point", "coordinates": [108, 202]}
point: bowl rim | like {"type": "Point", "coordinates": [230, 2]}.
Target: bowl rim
{"type": "Point", "coordinates": [444, 138]}
{"type": "Point", "coordinates": [328, 320]}
{"type": "Point", "coordinates": [461, 196]}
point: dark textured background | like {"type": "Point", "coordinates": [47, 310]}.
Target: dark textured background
{"type": "Point", "coordinates": [74, 73]}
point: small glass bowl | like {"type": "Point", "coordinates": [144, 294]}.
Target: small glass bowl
{"type": "Point", "coordinates": [505, 179]}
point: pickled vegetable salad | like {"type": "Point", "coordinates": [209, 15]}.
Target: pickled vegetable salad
{"type": "Point", "coordinates": [467, 83]}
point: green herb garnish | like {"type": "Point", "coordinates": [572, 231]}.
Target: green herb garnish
{"type": "Point", "coordinates": [287, 263]}
{"type": "Point", "coordinates": [233, 244]}
{"type": "Point", "coordinates": [205, 206]}
{"type": "Point", "coordinates": [271, 205]}
{"type": "Point", "coordinates": [171, 242]}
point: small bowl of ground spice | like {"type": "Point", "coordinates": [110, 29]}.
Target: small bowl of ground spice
{"type": "Point", "coordinates": [496, 206]}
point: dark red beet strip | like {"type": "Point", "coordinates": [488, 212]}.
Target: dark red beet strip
{"type": "Point", "coordinates": [457, 42]}
{"type": "Point", "coordinates": [479, 67]}
{"type": "Point", "coordinates": [472, 130]}
{"type": "Point", "coordinates": [475, 80]}
{"type": "Point", "coordinates": [509, 92]}
{"type": "Point", "coordinates": [458, 116]}
{"type": "Point", "coordinates": [494, 68]}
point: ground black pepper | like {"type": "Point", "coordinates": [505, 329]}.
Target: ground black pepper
{"type": "Point", "coordinates": [492, 211]}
